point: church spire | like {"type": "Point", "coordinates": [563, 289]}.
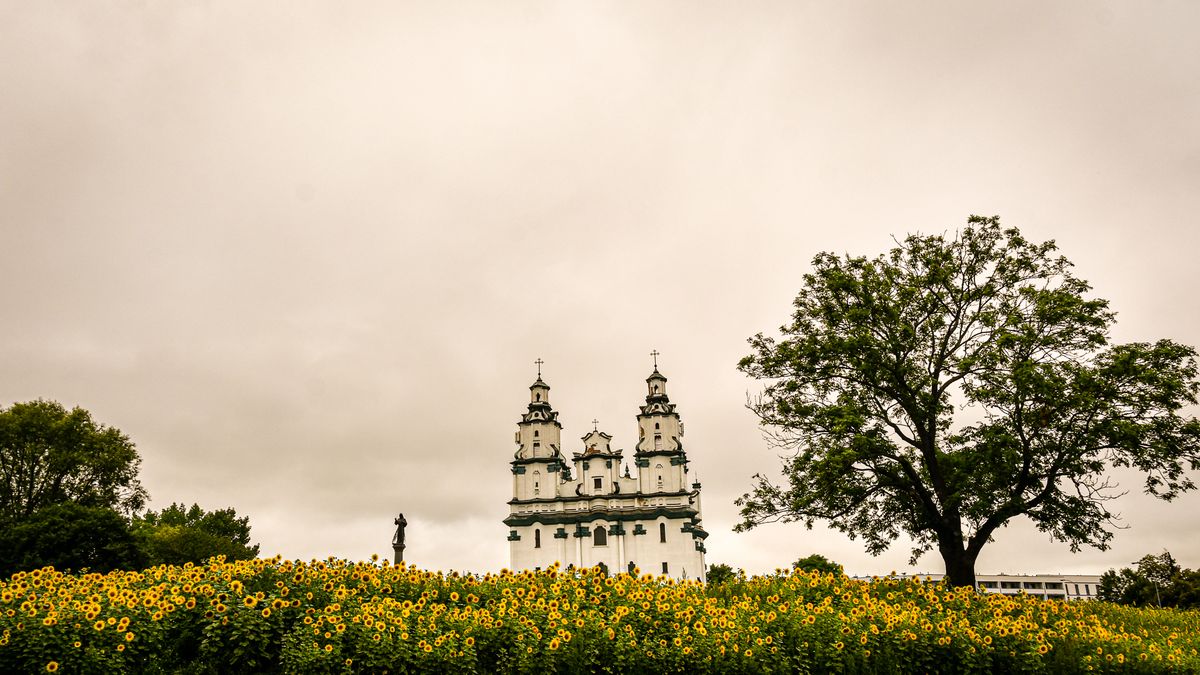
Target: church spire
{"type": "Point", "coordinates": [659, 427]}
{"type": "Point", "coordinates": [539, 397]}
{"type": "Point", "coordinates": [656, 392]}
{"type": "Point", "coordinates": [538, 432]}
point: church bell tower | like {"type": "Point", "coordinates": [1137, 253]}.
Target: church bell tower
{"type": "Point", "coordinates": [537, 461]}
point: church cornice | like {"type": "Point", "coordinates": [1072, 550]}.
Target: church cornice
{"type": "Point", "coordinates": [555, 518]}
{"type": "Point", "coordinates": [536, 460]}
{"type": "Point", "coordinates": [647, 454]}
{"type": "Point", "coordinates": [627, 496]}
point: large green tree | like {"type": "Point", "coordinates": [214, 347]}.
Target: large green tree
{"type": "Point", "coordinates": [178, 535]}
{"type": "Point", "coordinates": [69, 536]}
{"type": "Point", "coordinates": [50, 455]}
{"type": "Point", "coordinates": [955, 383]}
{"type": "Point", "coordinates": [1155, 580]}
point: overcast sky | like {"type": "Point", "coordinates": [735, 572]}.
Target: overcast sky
{"type": "Point", "coordinates": [305, 253]}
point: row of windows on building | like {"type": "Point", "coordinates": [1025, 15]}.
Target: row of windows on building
{"type": "Point", "coordinates": [599, 535]}
{"type": "Point", "coordinates": [1036, 585]}
{"type": "Point", "coordinates": [597, 482]}
{"type": "Point", "coordinates": [666, 569]}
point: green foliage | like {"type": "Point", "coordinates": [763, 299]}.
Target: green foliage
{"type": "Point", "coordinates": [1155, 580]}
{"type": "Point", "coordinates": [722, 574]}
{"type": "Point", "coordinates": [863, 387]}
{"type": "Point", "coordinates": [66, 487]}
{"type": "Point", "coordinates": [818, 563]}
{"type": "Point", "coordinates": [178, 535]}
{"type": "Point", "coordinates": [49, 455]}
{"type": "Point", "coordinates": [69, 536]}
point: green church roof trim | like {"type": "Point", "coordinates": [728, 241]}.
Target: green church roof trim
{"type": "Point", "coordinates": [671, 513]}
{"type": "Point", "coordinates": [581, 498]}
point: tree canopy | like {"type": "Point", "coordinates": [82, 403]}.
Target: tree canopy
{"type": "Point", "coordinates": [178, 535]}
{"type": "Point", "coordinates": [863, 388]}
{"type": "Point", "coordinates": [1154, 580]}
{"type": "Point", "coordinates": [819, 563]}
{"type": "Point", "coordinates": [69, 536]}
{"type": "Point", "coordinates": [720, 573]}
{"type": "Point", "coordinates": [50, 455]}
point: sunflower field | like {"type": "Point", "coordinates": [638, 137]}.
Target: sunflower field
{"type": "Point", "coordinates": [334, 616]}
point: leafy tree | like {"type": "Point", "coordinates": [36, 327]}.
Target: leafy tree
{"type": "Point", "coordinates": [863, 387]}
{"type": "Point", "coordinates": [1185, 589]}
{"type": "Point", "coordinates": [1155, 580]}
{"type": "Point", "coordinates": [178, 535]}
{"type": "Point", "coordinates": [69, 536]}
{"type": "Point", "coordinates": [819, 563]}
{"type": "Point", "coordinates": [49, 455]}
{"type": "Point", "coordinates": [720, 574]}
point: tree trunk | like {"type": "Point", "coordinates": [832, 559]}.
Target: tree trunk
{"type": "Point", "coordinates": [960, 565]}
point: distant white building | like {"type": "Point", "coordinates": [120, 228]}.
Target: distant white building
{"type": "Point", "coordinates": [590, 510]}
{"type": "Point", "coordinates": [1067, 587]}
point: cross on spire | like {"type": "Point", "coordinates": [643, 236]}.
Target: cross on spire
{"type": "Point", "coordinates": [539, 363]}
{"type": "Point", "coordinates": [654, 354]}
{"type": "Point", "coordinates": [594, 423]}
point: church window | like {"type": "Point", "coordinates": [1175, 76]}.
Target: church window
{"type": "Point", "coordinates": [538, 397]}
{"type": "Point", "coordinates": [656, 426]}
{"type": "Point", "coordinates": [537, 538]}
{"type": "Point", "coordinates": [535, 433]}
{"type": "Point", "coordinates": [665, 568]}
{"type": "Point", "coordinates": [662, 536]}
{"type": "Point", "coordinates": [600, 537]}
{"type": "Point", "coordinates": [598, 482]}
{"type": "Point", "coordinates": [658, 441]}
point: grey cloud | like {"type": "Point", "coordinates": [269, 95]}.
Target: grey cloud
{"type": "Point", "coordinates": [306, 256]}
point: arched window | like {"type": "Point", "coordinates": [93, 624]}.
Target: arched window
{"type": "Point", "coordinates": [658, 441]}
{"type": "Point", "coordinates": [600, 536]}
{"type": "Point", "coordinates": [656, 426]}
{"type": "Point", "coordinates": [537, 538]}
{"type": "Point", "coordinates": [537, 477]}
{"type": "Point", "coordinates": [535, 433]}
{"type": "Point", "coordinates": [538, 397]}
{"type": "Point", "coordinates": [662, 534]}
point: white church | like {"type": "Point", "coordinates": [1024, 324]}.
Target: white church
{"type": "Point", "coordinates": [590, 510]}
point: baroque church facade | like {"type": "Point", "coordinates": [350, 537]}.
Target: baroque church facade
{"type": "Point", "coordinates": [590, 509]}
